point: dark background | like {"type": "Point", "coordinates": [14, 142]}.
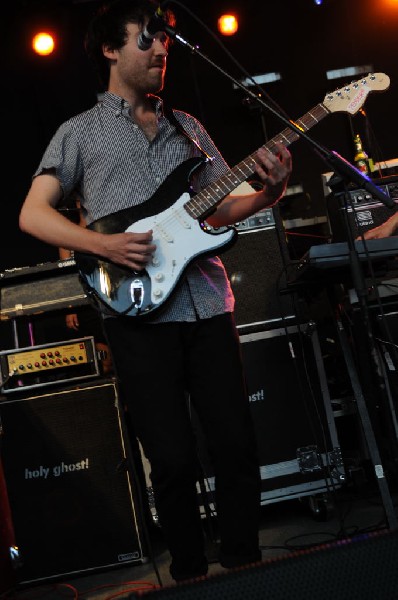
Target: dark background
{"type": "Point", "coordinates": [294, 37]}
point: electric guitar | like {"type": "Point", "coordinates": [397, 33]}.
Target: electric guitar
{"type": "Point", "coordinates": [178, 222]}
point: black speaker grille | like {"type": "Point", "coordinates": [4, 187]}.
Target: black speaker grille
{"type": "Point", "coordinates": [70, 496]}
{"type": "Point", "coordinates": [255, 267]}
{"type": "Point", "coordinates": [361, 568]}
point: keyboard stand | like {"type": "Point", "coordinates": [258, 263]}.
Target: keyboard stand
{"type": "Point", "coordinates": [367, 429]}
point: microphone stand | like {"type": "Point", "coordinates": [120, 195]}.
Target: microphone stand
{"type": "Point", "coordinates": [348, 173]}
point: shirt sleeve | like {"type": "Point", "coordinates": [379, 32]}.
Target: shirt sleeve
{"type": "Point", "coordinates": [63, 156]}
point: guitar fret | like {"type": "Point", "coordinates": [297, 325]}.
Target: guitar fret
{"type": "Point", "coordinates": [238, 168]}
{"type": "Point", "coordinates": [241, 167]}
{"type": "Point", "coordinates": [202, 203]}
{"type": "Point", "coordinates": [250, 166]}
{"type": "Point", "coordinates": [313, 116]}
{"type": "Point", "coordinates": [285, 135]}
{"type": "Point", "coordinates": [214, 195]}
{"type": "Point", "coordinates": [225, 184]}
{"type": "Point", "coordinates": [236, 180]}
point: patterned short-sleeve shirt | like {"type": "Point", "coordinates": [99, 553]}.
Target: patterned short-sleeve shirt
{"type": "Point", "coordinates": [106, 157]}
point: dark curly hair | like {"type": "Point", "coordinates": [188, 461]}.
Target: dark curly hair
{"type": "Point", "coordinates": [109, 27]}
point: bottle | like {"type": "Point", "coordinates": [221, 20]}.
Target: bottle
{"type": "Point", "coordinates": [361, 159]}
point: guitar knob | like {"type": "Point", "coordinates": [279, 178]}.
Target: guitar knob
{"type": "Point", "coordinates": [155, 261]}
{"type": "Point", "coordinates": [157, 293]}
{"type": "Point", "coordinates": [159, 276]}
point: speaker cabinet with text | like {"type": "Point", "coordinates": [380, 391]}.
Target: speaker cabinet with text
{"type": "Point", "coordinates": [72, 500]}
{"type": "Point", "coordinates": [255, 266]}
{"type": "Point", "coordinates": [298, 446]}
{"type": "Point", "coordinates": [292, 412]}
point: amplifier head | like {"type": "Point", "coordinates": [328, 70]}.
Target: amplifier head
{"type": "Point", "coordinates": [361, 211]}
{"type": "Point", "coordinates": [37, 366]}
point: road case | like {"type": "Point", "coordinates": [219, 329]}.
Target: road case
{"type": "Point", "coordinates": [294, 423]}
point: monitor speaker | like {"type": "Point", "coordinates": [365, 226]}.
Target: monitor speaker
{"type": "Point", "coordinates": [73, 503]}
{"type": "Point", "coordinates": [361, 568]}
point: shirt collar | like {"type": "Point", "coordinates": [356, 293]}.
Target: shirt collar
{"type": "Point", "coordinates": [120, 106]}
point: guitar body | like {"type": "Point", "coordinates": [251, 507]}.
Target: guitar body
{"type": "Point", "coordinates": [179, 240]}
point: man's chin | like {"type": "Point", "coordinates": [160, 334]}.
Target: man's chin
{"type": "Point", "coordinates": [156, 87]}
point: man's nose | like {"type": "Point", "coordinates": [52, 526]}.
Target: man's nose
{"type": "Point", "coordinates": [160, 46]}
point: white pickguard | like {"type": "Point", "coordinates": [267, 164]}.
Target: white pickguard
{"type": "Point", "coordinates": [178, 238]}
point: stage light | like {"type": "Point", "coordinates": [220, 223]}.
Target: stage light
{"type": "Point", "coordinates": [43, 43]}
{"type": "Point", "coordinates": [259, 79]}
{"type": "Point", "coordinates": [227, 24]}
{"type": "Point", "coordinates": [349, 71]}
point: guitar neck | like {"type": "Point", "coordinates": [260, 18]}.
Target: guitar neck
{"type": "Point", "coordinates": [203, 202]}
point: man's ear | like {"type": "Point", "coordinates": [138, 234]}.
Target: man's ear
{"type": "Point", "coordinates": [108, 52]}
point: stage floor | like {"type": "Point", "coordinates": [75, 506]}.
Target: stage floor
{"type": "Point", "coordinates": [288, 528]}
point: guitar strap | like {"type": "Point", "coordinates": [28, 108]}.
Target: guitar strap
{"type": "Point", "coordinates": [169, 114]}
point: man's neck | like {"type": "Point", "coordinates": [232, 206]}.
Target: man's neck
{"type": "Point", "coordinates": [139, 103]}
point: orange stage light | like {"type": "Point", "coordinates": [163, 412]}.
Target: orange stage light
{"type": "Point", "coordinates": [43, 43]}
{"type": "Point", "coordinates": [228, 24]}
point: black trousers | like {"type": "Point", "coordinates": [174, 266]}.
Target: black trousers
{"type": "Point", "coordinates": [156, 366]}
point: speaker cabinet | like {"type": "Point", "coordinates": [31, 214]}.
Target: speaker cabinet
{"type": "Point", "coordinates": [72, 501]}
{"type": "Point", "coordinates": [292, 412]}
{"type": "Point", "coordinates": [255, 266]}
{"type": "Point", "coordinates": [7, 540]}
{"type": "Point", "coordinates": [361, 568]}
{"type": "Point", "coordinates": [297, 440]}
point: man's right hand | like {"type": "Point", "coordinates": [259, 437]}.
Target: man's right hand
{"type": "Point", "coordinates": [132, 250]}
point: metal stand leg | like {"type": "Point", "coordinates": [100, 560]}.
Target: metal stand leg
{"type": "Point", "coordinates": [15, 333]}
{"type": "Point", "coordinates": [367, 429]}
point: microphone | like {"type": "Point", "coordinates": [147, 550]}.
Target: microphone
{"type": "Point", "coordinates": [154, 25]}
